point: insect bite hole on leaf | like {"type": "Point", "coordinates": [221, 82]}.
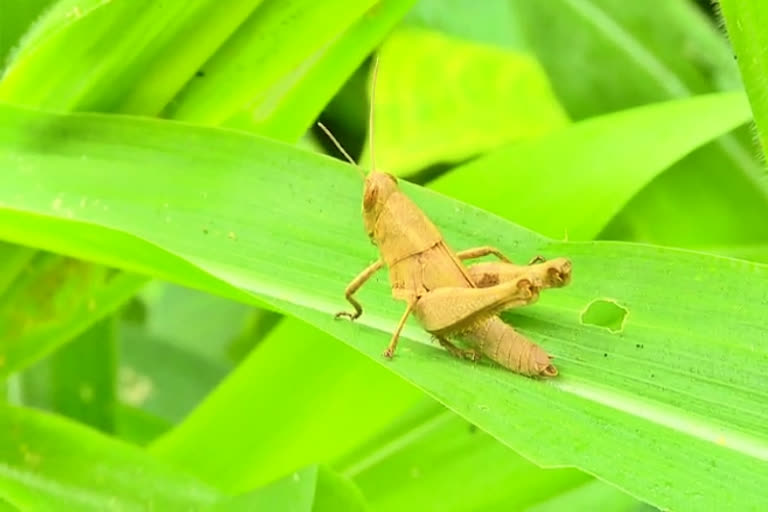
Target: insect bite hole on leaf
{"type": "Point", "coordinates": [605, 313]}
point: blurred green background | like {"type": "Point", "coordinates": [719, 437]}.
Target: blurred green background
{"type": "Point", "coordinates": [173, 243]}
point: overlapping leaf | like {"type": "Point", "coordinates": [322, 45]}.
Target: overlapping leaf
{"type": "Point", "coordinates": [681, 387]}
{"type": "Point", "coordinates": [54, 464]}
{"type": "Point", "coordinates": [745, 21]}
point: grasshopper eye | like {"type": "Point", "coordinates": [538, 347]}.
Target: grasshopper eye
{"type": "Point", "coordinates": [369, 197]}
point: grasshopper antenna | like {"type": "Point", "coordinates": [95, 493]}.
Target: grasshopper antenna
{"type": "Point", "coordinates": [370, 114]}
{"type": "Point", "coordinates": [370, 125]}
{"type": "Point", "coordinates": [339, 146]}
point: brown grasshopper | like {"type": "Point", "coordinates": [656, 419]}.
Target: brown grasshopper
{"type": "Point", "coordinates": [448, 299]}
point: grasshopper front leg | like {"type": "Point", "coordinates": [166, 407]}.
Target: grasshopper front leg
{"type": "Point", "coordinates": [355, 285]}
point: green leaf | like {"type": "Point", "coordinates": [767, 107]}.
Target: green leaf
{"type": "Point", "coordinates": [53, 464]}
{"type": "Point", "coordinates": [7, 507]}
{"type": "Point", "coordinates": [265, 59]}
{"type": "Point", "coordinates": [283, 108]}
{"type": "Point", "coordinates": [125, 79]}
{"type": "Point", "coordinates": [192, 321]}
{"type": "Point", "coordinates": [592, 495]}
{"type": "Point", "coordinates": [490, 21]}
{"type": "Point", "coordinates": [437, 461]}
{"type": "Point", "coordinates": [616, 394]}
{"type": "Point", "coordinates": [311, 489]}
{"type": "Point", "coordinates": [245, 66]}
{"type": "Point", "coordinates": [671, 51]}
{"type": "Point", "coordinates": [144, 82]}
{"type": "Point", "coordinates": [53, 301]}
{"type": "Point", "coordinates": [142, 86]}
{"type": "Point", "coordinates": [668, 52]}
{"type": "Point", "coordinates": [476, 108]}
{"type": "Point", "coordinates": [752, 252]}
{"type": "Point", "coordinates": [137, 426]}
{"type": "Point", "coordinates": [567, 183]}
{"type": "Point", "coordinates": [146, 380]}
{"type": "Point", "coordinates": [745, 22]}
{"type": "Point", "coordinates": [291, 104]}
{"type": "Point", "coordinates": [349, 395]}
{"type": "Point", "coordinates": [17, 16]}
{"type": "Point", "coordinates": [80, 379]}
{"type": "Point", "coordinates": [13, 260]}
{"type": "Point", "coordinates": [668, 409]}
{"type": "Point", "coordinates": [259, 323]}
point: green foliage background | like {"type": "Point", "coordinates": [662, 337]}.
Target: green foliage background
{"type": "Point", "coordinates": [175, 243]}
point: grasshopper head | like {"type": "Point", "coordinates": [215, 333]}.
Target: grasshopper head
{"type": "Point", "coordinates": [379, 186]}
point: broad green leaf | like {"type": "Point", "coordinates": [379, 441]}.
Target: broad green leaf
{"type": "Point", "coordinates": [81, 29]}
{"type": "Point", "coordinates": [490, 21]}
{"type": "Point", "coordinates": [53, 301]}
{"type": "Point", "coordinates": [192, 321]}
{"type": "Point", "coordinates": [79, 380]}
{"type": "Point", "coordinates": [137, 426]}
{"type": "Point", "coordinates": [54, 464]}
{"type": "Point", "coordinates": [476, 107]}
{"type": "Point", "coordinates": [316, 378]}
{"type": "Point", "coordinates": [245, 66]}
{"type": "Point", "coordinates": [7, 507]}
{"type": "Point", "coordinates": [122, 78]}
{"type": "Point", "coordinates": [311, 489]}
{"type": "Point", "coordinates": [754, 252]}
{"type": "Point", "coordinates": [438, 461]}
{"type": "Point", "coordinates": [137, 81]}
{"type": "Point", "coordinates": [592, 495]}
{"type": "Point", "coordinates": [624, 396]}
{"type": "Point", "coordinates": [574, 181]}
{"type": "Point", "coordinates": [646, 45]}
{"type": "Point", "coordinates": [668, 52]}
{"type": "Point", "coordinates": [698, 202]}
{"type": "Point", "coordinates": [171, 394]}
{"type": "Point", "coordinates": [325, 62]}
{"type": "Point", "coordinates": [130, 252]}
{"type": "Point", "coordinates": [668, 409]}
{"type": "Point", "coordinates": [168, 391]}
{"type": "Point", "coordinates": [294, 102]}
{"type": "Point", "coordinates": [259, 323]}
{"type": "Point", "coordinates": [347, 48]}
{"type": "Point", "coordinates": [13, 260]}
{"type": "Point", "coordinates": [283, 108]}
{"type": "Point", "coordinates": [265, 59]}
{"type": "Point", "coordinates": [16, 19]}
{"type": "Point", "coordinates": [190, 328]}
{"type": "Point", "coordinates": [745, 22]}
{"type": "Point", "coordinates": [84, 26]}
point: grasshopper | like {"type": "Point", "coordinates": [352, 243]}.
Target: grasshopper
{"type": "Point", "coordinates": [448, 299]}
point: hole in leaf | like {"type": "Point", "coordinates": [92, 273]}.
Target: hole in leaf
{"type": "Point", "coordinates": [605, 313]}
